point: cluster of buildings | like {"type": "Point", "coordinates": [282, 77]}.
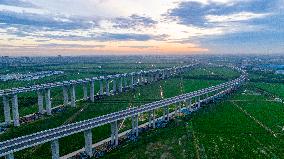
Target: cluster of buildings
{"type": "Point", "coordinates": [29, 76]}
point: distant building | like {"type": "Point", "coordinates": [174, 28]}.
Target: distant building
{"type": "Point", "coordinates": [279, 72]}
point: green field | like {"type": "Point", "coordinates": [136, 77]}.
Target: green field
{"type": "Point", "coordinates": [243, 126]}
{"type": "Point", "coordinates": [193, 80]}
{"type": "Point", "coordinates": [28, 101]}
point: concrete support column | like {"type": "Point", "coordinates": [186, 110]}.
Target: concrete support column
{"type": "Point", "coordinates": [7, 111]}
{"type": "Point", "coordinates": [114, 133]}
{"type": "Point", "coordinates": [112, 136]}
{"type": "Point", "coordinates": [132, 82]}
{"type": "Point", "coordinates": [15, 110]}
{"type": "Point", "coordinates": [135, 125]}
{"type": "Point", "coordinates": [163, 74]}
{"type": "Point", "coordinates": [73, 96]}
{"type": "Point", "coordinates": [114, 86]}
{"type": "Point", "coordinates": [85, 91]}
{"type": "Point", "coordinates": [154, 119]}
{"type": "Point", "coordinates": [92, 91]}
{"type": "Point", "coordinates": [199, 104]}
{"type": "Point", "coordinates": [141, 79]}
{"type": "Point", "coordinates": [150, 119]}
{"type": "Point", "coordinates": [40, 101]}
{"type": "Point", "coordinates": [48, 101]}
{"type": "Point", "coordinates": [55, 149]}
{"type": "Point", "coordinates": [207, 95]}
{"type": "Point", "coordinates": [189, 104]}
{"type": "Point", "coordinates": [148, 76]}
{"type": "Point", "coordinates": [120, 84]}
{"type": "Point", "coordinates": [125, 82]}
{"type": "Point", "coordinates": [9, 156]}
{"type": "Point", "coordinates": [88, 142]}
{"type": "Point", "coordinates": [65, 95]}
{"type": "Point", "coordinates": [101, 88]}
{"type": "Point", "coordinates": [157, 76]}
{"type": "Point", "coordinates": [168, 113]}
{"type": "Point", "coordinates": [176, 110]}
{"type": "Point", "coordinates": [179, 107]}
{"type": "Point", "coordinates": [164, 113]}
{"type": "Point", "coordinates": [107, 87]}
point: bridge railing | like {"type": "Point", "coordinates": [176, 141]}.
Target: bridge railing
{"type": "Point", "coordinates": [7, 148]}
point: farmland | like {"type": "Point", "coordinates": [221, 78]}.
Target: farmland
{"type": "Point", "coordinates": [85, 110]}
{"type": "Point", "coordinates": [243, 126]}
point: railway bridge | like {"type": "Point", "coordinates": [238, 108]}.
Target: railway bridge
{"type": "Point", "coordinates": [9, 147]}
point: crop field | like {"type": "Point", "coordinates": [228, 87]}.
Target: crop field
{"type": "Point", "coordinates": [28, 101]}
{"type": "Point", "coordinates": [248, 124]}
{"type": "Point", "coordinates": [274, 88]}
{"type": "Point", "coordinates": [85, 109]}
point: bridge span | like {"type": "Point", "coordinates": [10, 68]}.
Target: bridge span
{"type": "Point", "coordinates": [7, 148]}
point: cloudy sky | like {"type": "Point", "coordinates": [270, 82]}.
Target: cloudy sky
{"type": "Point", "coordinates": [84, 27]}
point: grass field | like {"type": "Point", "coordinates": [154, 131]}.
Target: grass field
{"type": "Point", "coordinates": [86, 110]}
{"type": "Point", "coordinates": [243, 126]}
{"type": "Point", "coordinates": [28, 101]}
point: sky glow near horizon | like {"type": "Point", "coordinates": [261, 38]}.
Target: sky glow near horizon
{"type": "Point", "coordinates": [91, 27]}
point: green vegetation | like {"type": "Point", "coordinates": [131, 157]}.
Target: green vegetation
{"type": "Point", "coordinates": [244, 126]}
{"type": "Point", "coordinates": [28, 101]}
{"type": "Point", "coordinates": [274, 88]}
{"type": "Point", "coordinates": [86, 110]}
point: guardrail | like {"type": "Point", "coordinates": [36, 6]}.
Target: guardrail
{"type": "Point", "coordinates": [7, 148]}
{"type": "Point", "coordinates": [44, 90]}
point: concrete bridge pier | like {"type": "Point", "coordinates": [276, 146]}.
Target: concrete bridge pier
{"type": "Point", "coordinates": [150, 119]}
{"type": "Point", "coordinates": [107, 87]}
{"type": "Point", "coordinates": [168, 113]}
{"type": "Point", "coordinates": [48, 101]}
{"type": "Point", "coordinates": [92, 91]}
{"type": "Point", "coordinates": [176, 109]}
{"type": "Point", "coordinates": [101, 88]}
{"type": "Point", "coordinates": [157, 75]}
{"type": "Point", "coordinates": [154, 118]}
{"type": "Point", "coordinates": [132, 82]}
{"type": "Point", "coordinates": [179, 108]}
{"type": "Point", "coordinates": [140, 79]}
{"type": "Point", "coordinates": [55, 149]}
{"type": "Point", "coordinates": [114, 86]}
{"type": "Point", "coordinates": [88, 142]}
{"type": "Point", "coordinates": [135, 123]}
{"type": "Point", "coordinates": [15, 110]}
{"type": "Point", "coordinates": [40, 101]}
{"type": "Point", "coordinates": [206, 98]}
{"type": "Point", "coordinates": [120, 84]}
{"type": "Point", "coordinates": [149, 77]}
{"type": "Point", "coordinates": [9, 156]}
{"type": "Point", "coordinates": [65, 95]}
{"type": "Point", "coordinates": [114, 133]}
{"type": "Point", "coordinates": [164, 113]}
{"type": "Point", "coordinates": [125, 81]}
{"type": "Point", "coordinates": [189, 104]}
{"type": "Point", "coordinates": [7, 111]}
{"type": "Point", "coordinates": [199, 103]}
{"type": "Point", "coordinates": [73, 96]}
{"type": "Point", "coordinates": [85, 91]}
